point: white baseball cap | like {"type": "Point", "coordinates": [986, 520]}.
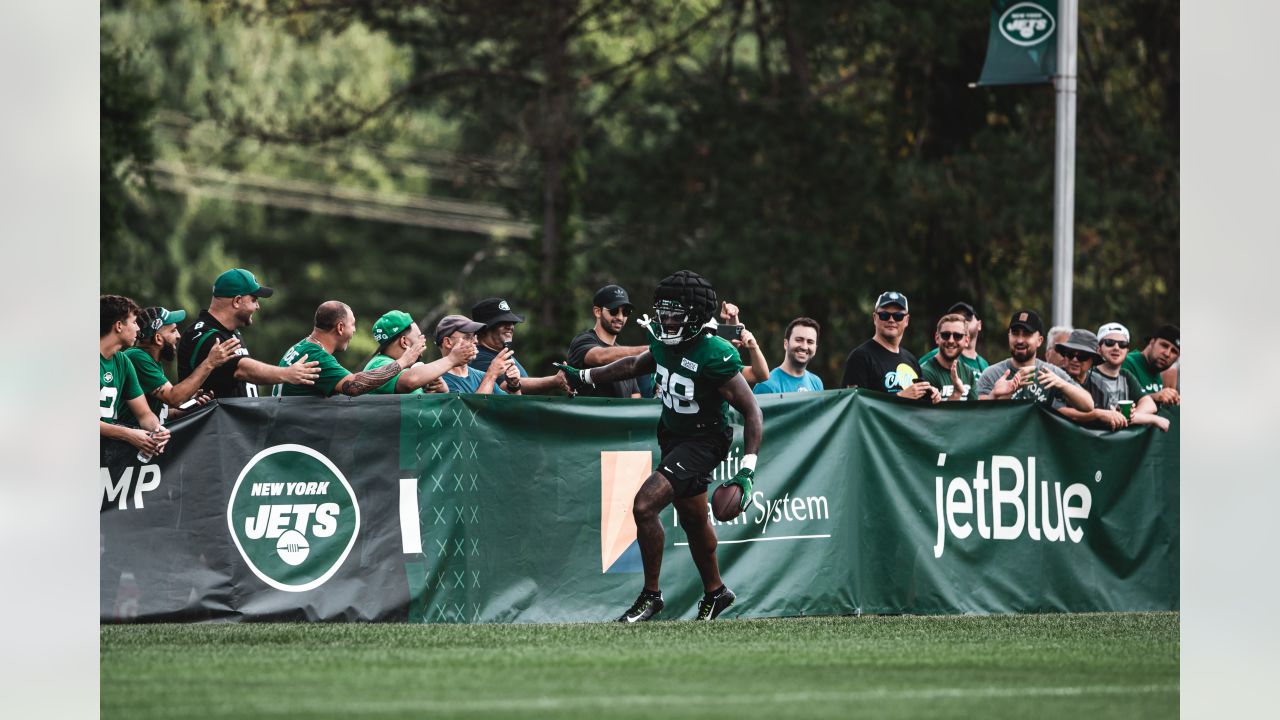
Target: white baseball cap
{"type": "Point", "coordinates": [1114, 327]}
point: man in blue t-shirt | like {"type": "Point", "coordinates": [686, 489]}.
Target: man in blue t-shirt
{"type": "Point", "coordinates": [799, 345]}
{"type": "Point", "coordinates": [453, 330]}
{"type": "Point", "coordinates": [498, 330]}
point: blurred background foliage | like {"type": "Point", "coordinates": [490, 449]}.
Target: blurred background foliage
{"type": "Point", "coordinates": [802, 156]}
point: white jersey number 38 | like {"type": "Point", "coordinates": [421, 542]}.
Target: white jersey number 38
{"type": "Point", "coordinates": [676, 391]}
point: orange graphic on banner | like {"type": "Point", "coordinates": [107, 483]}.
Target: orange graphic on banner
{"type": "Point", "coordinates": [622, 472]}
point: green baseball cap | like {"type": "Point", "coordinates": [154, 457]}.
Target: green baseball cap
{"type": "Point", "coordinates": [153, 318]}
{"type": "Point", "coordinates": [239, 281]}
{"type": "Point", "coordinates": [390, 325]}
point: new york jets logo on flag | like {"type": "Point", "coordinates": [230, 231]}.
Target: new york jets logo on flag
{"type": "Point", "coordinates": [1026, 24]}
{"type": "Point", "coordinates": [293, 517]}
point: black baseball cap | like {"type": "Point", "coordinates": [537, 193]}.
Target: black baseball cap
{"type": "Point", "coordinates": [1168, 332]}
{"type": "Point", "coordinates": [892, 298]}
{"type": "Point", "coordinates": [1027, 320]}
{"type": "Point", "coordinates": [493, 311]}
{"type": "Point", "coordinates": [963, 307]}
{"type": "Point", "coordinates": [612, 297]}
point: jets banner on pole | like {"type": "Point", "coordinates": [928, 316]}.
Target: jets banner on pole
{"type": "Point", "coordinates": [468, 508]}
{"type": "Point", "coordinates": [1022, 46]}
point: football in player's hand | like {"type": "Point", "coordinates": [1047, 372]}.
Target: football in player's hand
{"type": "Point", "coordinates": [726, 502]}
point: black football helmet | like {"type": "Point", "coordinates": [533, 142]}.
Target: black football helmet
{"type": "Point", "coordinates": [683, 305]}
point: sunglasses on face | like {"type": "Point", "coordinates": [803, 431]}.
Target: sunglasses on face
{"type": "Point", "coordinates": [1077, 355]}
{"type": "Point", "coordinates": [624, 311]}
{"type": "Point", "coordinates": [885, 315]}
{"type": "Point", "coordinates": [947, 335]}
{"type": "Point", "coordinates": [1121, 343]}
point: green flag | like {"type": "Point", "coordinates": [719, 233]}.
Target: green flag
{"type": "Point", "coordinates": [1022, 46]}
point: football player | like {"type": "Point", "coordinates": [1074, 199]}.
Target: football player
{"type": "Point", "coordinates": [698, 376]}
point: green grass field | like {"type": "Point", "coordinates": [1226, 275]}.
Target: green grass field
{"type": "Point", "coordinates": [1080, 666]}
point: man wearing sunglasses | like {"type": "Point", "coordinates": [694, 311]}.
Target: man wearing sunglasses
{"type": "Point", "coordinates": [969, 355]}
{"type": "Point", "coordinates": [880, 363]}
{"type": "Point", "coordinates": [1023, 376]}
{"type": "Point", "coordinates": [945, 370]}
{"type": "Point", "coordinates": [599, 346]}
{"type": "Point", "coordinates": [1110, 384]}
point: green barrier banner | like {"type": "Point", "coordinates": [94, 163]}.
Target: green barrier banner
{"type": "Point", "coordinates": [468, 508]}
{"type": "Point", "coordinates": [1022, 47]}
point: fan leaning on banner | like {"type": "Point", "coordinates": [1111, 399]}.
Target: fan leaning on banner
{"type": "Point", "coordinates": [333, 329]}
{"type": "Point", "coordinates": [880, 363]}
{"type": "Point", "coordinates": [235, 300]}
{"type": "Point", "coordinates": [699, 376]}
{"type": "Point", "coordinates": [1023, 376]}
{"type": "Point", "coordinates": [119, 382]}
{"type": "Point", "coordinates": [397, 334]}
{"type": "Point", "coordinates": [158, 338]}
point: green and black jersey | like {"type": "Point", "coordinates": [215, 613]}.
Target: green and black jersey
{"type": "Point", "coordinates": [688, 380]}
{"type": "Point", "coordinates": [330, 371]}
{"type": "Point", "coordinates": [119, 385]}
{"type": "Point", "coordinates": [388, 387]}
{"type": "Point", "coordinates": [151, 377]}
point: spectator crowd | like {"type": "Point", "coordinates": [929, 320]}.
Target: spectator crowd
{"type": "Point", "coordinates": [1101, 379]}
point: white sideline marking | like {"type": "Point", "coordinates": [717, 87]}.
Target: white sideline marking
{"type": "Point", "coordinates": [766, 539]}
{"type": "Point", "coordinates": [410, 530]}
{"type": "Point", "coordinates": [367, 705]}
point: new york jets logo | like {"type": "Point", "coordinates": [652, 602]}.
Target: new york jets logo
{"type": "Point", "coordinates": [503, 306]}
{"type": "Point", "coordinates": [293, 517]}
{"type": "Point", "coordinates": [106, 377]}
{"type": "Point", "coordinates": [1026, 24]}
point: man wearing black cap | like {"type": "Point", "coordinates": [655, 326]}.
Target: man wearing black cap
{"type": "Point", "coordinates": [235, 300]}
{"type": "Point", "coordinates": [599, 345]}
{"type": "Point", "coordinates": [499, 331]}
{"type": "Point", "coordinates": [157, 341]}
{"type": "Point", "coordinates": [969, 355]}
{"type": "Point", "coordinates": [1164, 346]}
{"type": "Point", "coordinates": [1026, 377]}
{"type": "Point", "coordinates": [880, 363]}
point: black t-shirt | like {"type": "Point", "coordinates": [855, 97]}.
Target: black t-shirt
{"type": "Point", "coordinates": [194, 347]}
{"type": "Point", "coordinates": [578, 350]}
{"type": "Point", "coordinates": [873, 367]}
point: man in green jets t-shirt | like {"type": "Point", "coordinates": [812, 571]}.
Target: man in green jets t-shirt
{"type": "Point", "coordinates": [335, 325]}
{"type": "Point", "coordinates": [1162, 350]}
{"type": "Point", "coordinates": [118, 383]}
{"type": "Point", "coordinates": [396, 334]}
{"type": "Point", "coordinates": [698, 375]}
{"type": "Point", "coordinates": [158, 338]}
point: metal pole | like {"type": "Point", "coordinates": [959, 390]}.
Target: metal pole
{"type": "Point", "coordinates": [1064, 164]}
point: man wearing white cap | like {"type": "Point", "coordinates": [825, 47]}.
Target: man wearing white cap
{"type": "Point", "coordinates": [1110, 384]}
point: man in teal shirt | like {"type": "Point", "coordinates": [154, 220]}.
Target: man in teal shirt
{"type": "Point", "coordinates": [799, 345]}
{"type": "Point", "coordinates": [334, 327]}
{"type": "Point", "coordinates": [397, 334]}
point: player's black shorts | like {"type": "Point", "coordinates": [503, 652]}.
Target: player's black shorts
{"type": "Point", "coordinates": [687, 462]}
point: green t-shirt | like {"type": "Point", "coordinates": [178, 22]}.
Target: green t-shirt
{"type": "Point", "coordinates": [330, 371]}
{"type": "Point", "coordinates": [151, 377]}
{"type": "Point", "coordinates": [978, 364]}
{"type": "Point", "coordinates": [688, 380]}
{"type": "Point", "coordinates": [119, 385]}
{"type": "Point", "coordinates": [1149, 381]}
{"type": "Point", "coordinates": [388, 387]}
{"type": "Point", "coordinates": [940, 378]}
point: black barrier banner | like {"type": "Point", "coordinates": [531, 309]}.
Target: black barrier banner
{"type": "Point", "coordinates": [470, 508]}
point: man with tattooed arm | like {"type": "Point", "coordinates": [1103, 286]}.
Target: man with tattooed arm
{"type": "Point", "coordinates": [335, 325]}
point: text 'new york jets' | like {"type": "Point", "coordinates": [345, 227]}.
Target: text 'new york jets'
{"type": "Point", "coordinates": [1059, 510]}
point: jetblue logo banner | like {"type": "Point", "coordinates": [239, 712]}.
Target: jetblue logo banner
{"type": "Point", "coordinates": [469, 508]}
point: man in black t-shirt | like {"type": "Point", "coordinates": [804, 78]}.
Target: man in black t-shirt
{"type": "Point", "coordinates": [235, 300]}
{"type": "Point", "coordinates": [598, 345]}
{"type": "Point", "coordinates": [880, 363]}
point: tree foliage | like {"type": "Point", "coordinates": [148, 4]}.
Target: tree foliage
{"type": "Point", "coordinates": [804, 156]}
